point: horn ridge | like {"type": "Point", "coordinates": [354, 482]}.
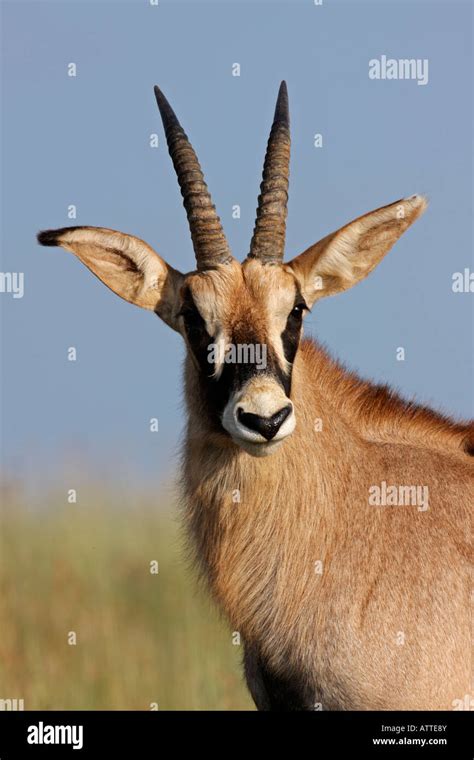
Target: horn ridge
{"type": "Point", "coordinates": [268, 240]}
{"type": "Point", "coordinates": [209, 242]}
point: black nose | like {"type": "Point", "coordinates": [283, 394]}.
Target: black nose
{"type": "Point", "coordinates": [266, 426]}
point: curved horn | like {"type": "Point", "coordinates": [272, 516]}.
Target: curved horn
{"type": "Point", "coordinates": [268, 241]}
{"type": "Point", "coordinates": [209, 242]}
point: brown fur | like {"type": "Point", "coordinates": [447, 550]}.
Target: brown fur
{"type": "Point", "coordinates": [385, 569]}
{"type": "Point", "coordinates": [381, 415]}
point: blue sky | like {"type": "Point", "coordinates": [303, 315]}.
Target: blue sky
{"type": "Point", "coordinates": [85, 141]}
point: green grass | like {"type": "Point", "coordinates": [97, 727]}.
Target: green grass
{"type": "Point", "coordinates": [141, 638]}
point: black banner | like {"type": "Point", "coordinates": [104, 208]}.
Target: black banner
{"type": "Point", "coordinates": [374, 734]}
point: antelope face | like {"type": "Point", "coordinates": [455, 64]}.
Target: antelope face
{"type": "Point", "coordinates": [241, 322]}
{"type": "Point", "coordinates": [242, 326]}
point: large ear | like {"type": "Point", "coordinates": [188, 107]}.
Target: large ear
{"type": "Point", "coordinates": [126, 264]}
{"type": "Point", "coordinates": [345, 257]}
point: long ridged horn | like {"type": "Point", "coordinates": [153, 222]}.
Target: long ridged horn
{"type": "Point", "coordinates": [268, 241]}
{"type": "Point", "coordinates": [209, 242]}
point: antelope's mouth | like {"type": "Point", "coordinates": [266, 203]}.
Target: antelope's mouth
{"type": "Point", "coordinates": [258, 449]}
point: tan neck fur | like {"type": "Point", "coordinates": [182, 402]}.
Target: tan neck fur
{"type": "Point", "coordinates": [258, 527]}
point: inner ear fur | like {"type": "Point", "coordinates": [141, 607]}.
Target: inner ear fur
{"type": "Point", "coordinates": [126, 264]}
{"type": "Point", "coordinates": [347, 256]}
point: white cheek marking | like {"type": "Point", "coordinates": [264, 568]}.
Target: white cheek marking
{"type": "Point", "coordinates": [279, 306]}
{"type": "Point", "coordinates": [277, 345]}
{"type": "Point", "coordinates": [220, 344]}
{"type": "Point", "coordinates": [206, 305]}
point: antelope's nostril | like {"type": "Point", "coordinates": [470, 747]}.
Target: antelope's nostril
{"type": "Point", "coordinates": [266, 426]}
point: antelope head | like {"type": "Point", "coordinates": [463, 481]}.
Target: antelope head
{"type": "Point", "coordinates": [242, 323]}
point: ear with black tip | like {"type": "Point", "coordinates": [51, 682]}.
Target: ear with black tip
{"type": "Point", "coordinates": [126, 264]}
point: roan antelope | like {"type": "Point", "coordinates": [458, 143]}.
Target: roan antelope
{"type": "Point", "coordinates": [339, 551]}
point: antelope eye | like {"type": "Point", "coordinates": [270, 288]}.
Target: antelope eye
{"type": "Point", "coordinates": [297, 311]}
